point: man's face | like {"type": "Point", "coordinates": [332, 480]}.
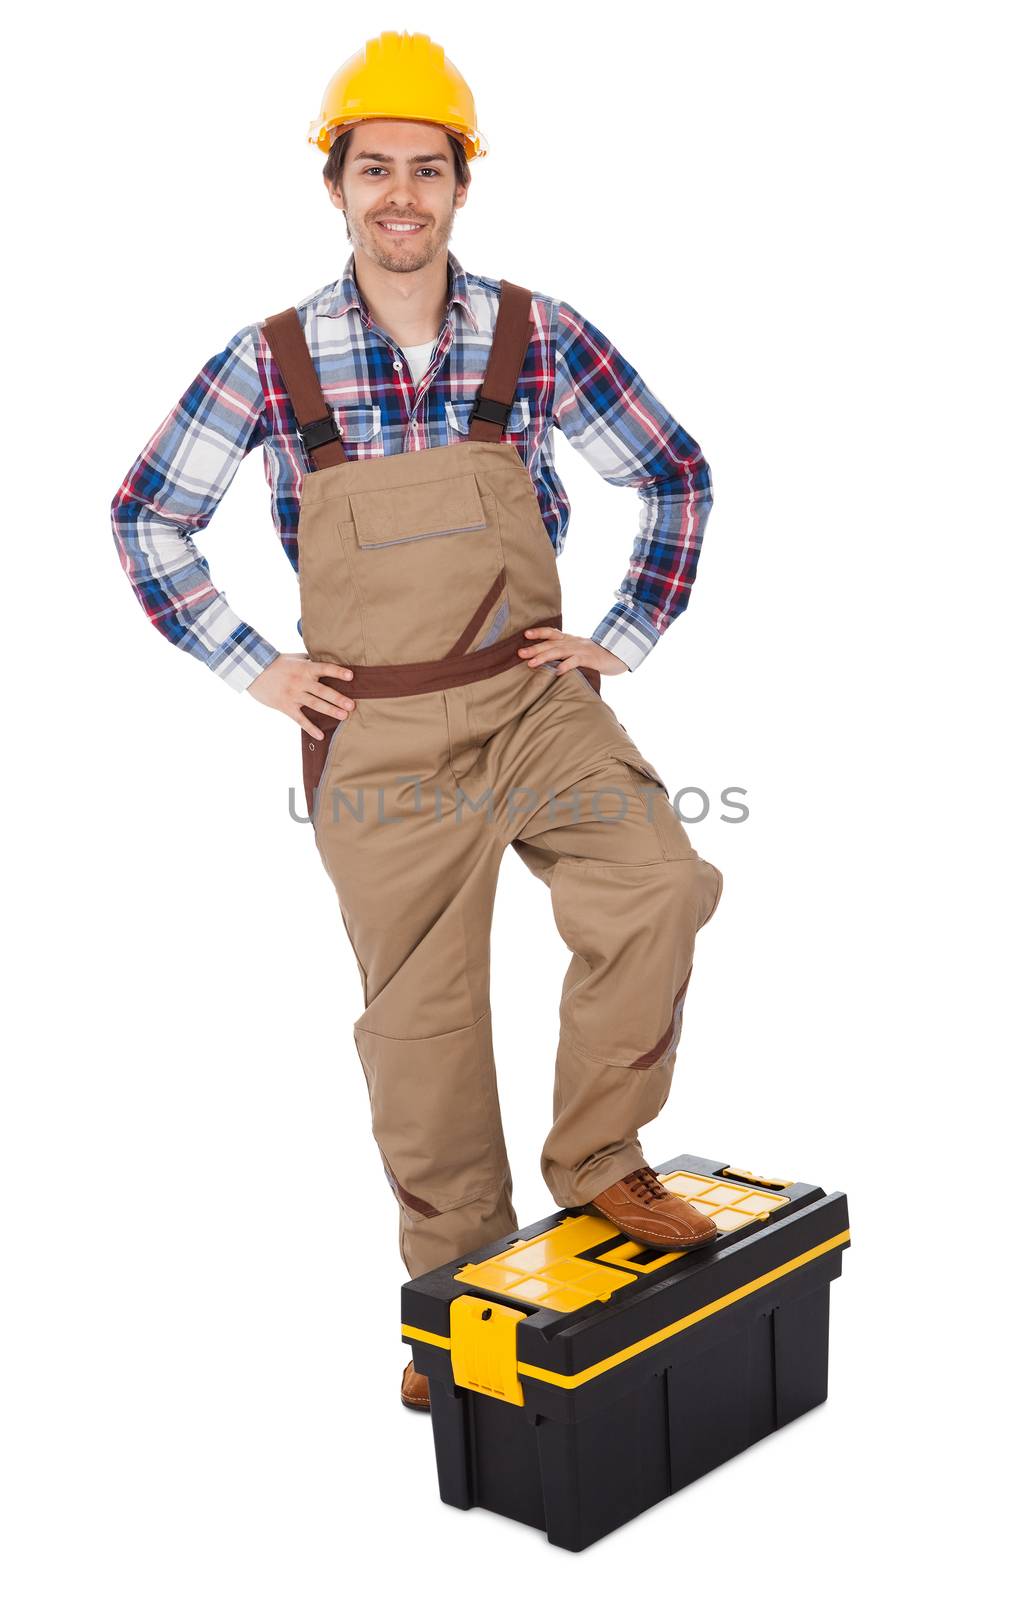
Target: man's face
{"type": "Point", "coordinates": [399, 172]}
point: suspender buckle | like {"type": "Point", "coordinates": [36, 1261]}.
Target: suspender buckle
{"type": "Point", "coordinates": [490, 410]}
{"type": "Point", "coordinates": [322, 431]}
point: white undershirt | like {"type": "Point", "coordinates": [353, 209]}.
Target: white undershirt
{"type": "Point", "coordinates": [417, 357]}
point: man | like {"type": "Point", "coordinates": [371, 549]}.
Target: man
{"type": "Point", "coordinates": [406, 414]}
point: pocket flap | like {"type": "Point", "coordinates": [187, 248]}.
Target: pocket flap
{"type": "Point", "coordinates": [417, 511]}
{"type": "Point", "coordinates": [357, 423]}
{"type": "Point", "coordinates": [458, 412]}
{"type": "Point", "coordinates": [632, 757]}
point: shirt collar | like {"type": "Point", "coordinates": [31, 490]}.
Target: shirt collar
{"type": "Point", "coordinates": [345, 295]}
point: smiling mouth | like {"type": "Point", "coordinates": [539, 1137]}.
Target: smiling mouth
{"type": "Point", "coordinates": [400, 230]}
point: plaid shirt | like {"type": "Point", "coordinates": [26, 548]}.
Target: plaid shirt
{"type": "Point", "coordinates": [572, 377]}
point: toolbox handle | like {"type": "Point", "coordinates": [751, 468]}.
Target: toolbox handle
{"type": "Point", "coordinates": [751, 1177]}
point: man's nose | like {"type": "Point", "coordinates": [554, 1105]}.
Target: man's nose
{"type": "Point", "coordinates": [402, 195]}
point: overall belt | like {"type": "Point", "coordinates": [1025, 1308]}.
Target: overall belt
{"type": "Point", "coordinates": [420, 677]}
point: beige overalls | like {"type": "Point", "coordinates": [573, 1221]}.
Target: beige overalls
{"type": "Point", "coordinates": [420, 571]}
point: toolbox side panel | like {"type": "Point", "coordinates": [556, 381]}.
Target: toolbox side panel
{"type": "Point", "coordinates": [600, 1473]}
{"type": "Point", "coordinates": [505, 1474]}
{"type": "Point", "coordinates": [722, 1401]}
{"type": "Point", "coordinates": [486, 1451]}
{"type": "Point", "coordinates": [450, 1442]}
{"type": "Point", "coordinates": [737, 1391]}
{"type": "Point", "coordinates": [709, 1409]}
{"type": "Point", "coordinates": [802, 1329]}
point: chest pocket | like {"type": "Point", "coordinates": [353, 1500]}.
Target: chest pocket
{"type": "Point", "coordinates": [422, 511]}
{"type": "Point", "coordinates": [357, 424]}
{"type": "Point", "coordinates": [417, 560]}
{"type": "Point", "coordinates": [458, 412]}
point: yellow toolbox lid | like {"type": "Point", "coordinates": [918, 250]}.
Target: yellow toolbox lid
{"type": "Point", "coordinates": [550, 1270]}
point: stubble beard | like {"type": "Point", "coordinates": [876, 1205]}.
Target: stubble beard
{"type": "Point", "coordinates": [418, 254]}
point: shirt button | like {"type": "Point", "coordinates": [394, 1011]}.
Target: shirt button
{"type": "Point", "coordinates": [397, 366]}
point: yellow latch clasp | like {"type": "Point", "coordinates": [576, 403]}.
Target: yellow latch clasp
{"type": "Point", "coordinates": [483, 1348]}
{"type": "Point", "coordinates": [752, 1177]}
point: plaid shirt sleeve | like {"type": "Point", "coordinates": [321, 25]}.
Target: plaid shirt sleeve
{"type": "Point", "coordinates": [171, 492]}
{"type": "Point", "coordinates": [604, 409]}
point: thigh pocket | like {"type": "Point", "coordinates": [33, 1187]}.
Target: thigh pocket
{"type": "Point", "coordinates": [654, 795]}
{"type": "Point", "coordinates": [632, 758]}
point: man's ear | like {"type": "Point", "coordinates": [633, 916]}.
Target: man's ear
{"type": "Point", "coordinates": [461, 195]}
{"type": "Point", "coordinates": [335, 195]}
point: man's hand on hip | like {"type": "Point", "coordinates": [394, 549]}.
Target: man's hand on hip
{"type": "Point", "coordinates": [573, 652]}
{"type": "Point", "coordinates": [290, 682]}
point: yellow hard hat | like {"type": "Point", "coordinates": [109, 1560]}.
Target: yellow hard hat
{"type": "Point", "coordinates": [403, 77]}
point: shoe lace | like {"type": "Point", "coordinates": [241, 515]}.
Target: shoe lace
{"type": "Point", "coordinates": [646, 1185]}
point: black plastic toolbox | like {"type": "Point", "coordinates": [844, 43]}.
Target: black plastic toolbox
{"type": "Point", "coordinates": [577, 1377]}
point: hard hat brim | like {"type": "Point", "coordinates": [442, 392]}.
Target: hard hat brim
{"type": "Point", "coordinates": [320, 133]}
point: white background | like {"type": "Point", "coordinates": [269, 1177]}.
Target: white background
{"type": "Point", "coordinates": [801, 223]}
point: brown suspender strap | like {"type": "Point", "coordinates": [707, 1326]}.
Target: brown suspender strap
{"type": "Point", "coordinates": [285, 335]}
{"type": "Point", "coordinates": [496, 395]}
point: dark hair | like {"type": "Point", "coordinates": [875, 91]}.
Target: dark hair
{"type": "Point", "coordinates": [333, 169]}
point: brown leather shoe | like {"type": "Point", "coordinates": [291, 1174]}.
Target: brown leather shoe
{"type": "Point", "coordinates": [644, 1209]}
{"type": "Point", "coordinates": [414, 1389]}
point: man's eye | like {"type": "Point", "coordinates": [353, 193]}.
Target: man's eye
{"type": "Point", "coordinates": [433, 172]}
